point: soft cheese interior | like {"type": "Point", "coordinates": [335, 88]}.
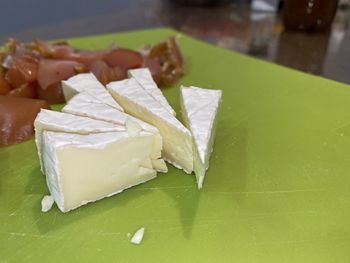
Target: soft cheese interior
{"type": "Point", "coordinates": [85, 168]}
{"type": "Point", "coordinates": [199, 109]}
{"type": "Point", "coordinates": [58, 121]}
{"type": "Point", "coordinates": [177, 140]}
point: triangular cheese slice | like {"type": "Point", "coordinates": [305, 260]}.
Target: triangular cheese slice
{"type": "Point", "coordinates": [199, 109]}
{"type": "Point", "coordinates": [83, 104]}
{"type": "Point", "coordinates": [88, 82]}
{"type": "Point", "coordinates": [84, 168]}
{"type": "Point", "coordinates": [177, 140]}
{"type": "Point", "coordinates": [144, 77]}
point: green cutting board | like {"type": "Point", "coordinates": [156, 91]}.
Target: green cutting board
{"type": "Point", "coordinates": [278, 187]}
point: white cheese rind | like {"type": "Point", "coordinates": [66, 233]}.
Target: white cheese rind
{"type": "Point", "coordinates": [58, 121]}
{"type": "Point", "coordinates": [144, 77]}
{"type": "Point", "coordinates": [83, 104]}
{"type": "Point", "coordinates": [199, 109]}
{"type": "Point", "coordinates": [177, 140]}
{"type": "Point", "coordinates": [87, 82]}
{"type": "Point", "coordinates": [85, 168]}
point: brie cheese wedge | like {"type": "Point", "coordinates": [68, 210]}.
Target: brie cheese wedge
{"type": "Point", "coordinates": [89, 83]}
{"type": "Point", "coordinates": [85, 168]}
{"type": "Point", "coordinates": [144, 77]}
{"type": "Point", "coordinates": [199, 109]}
{"type": "Point", "coordinates": [177, 140]}
{"type": "Point", "coordinates": [48, 120]}
{"type": "Point", "coordinates": [84, 105]}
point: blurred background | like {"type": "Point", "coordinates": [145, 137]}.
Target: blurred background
{"type": "Point", "coordinates": [309, 35]}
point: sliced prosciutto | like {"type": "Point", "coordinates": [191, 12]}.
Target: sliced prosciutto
{"type": "Point", "coordinates": [170, 60]}
{"type": "Point", "coordinates": [5, 87]}
{"type": "Point", "coordinates": [17, 118]}
{"type": "Point", "coordinates": [124, 58]}
{"type": "Point", "coordinates": [50, 74]}
{"type": "Point", "coordinates": [106, 74]}
{"type": "Point", "coordinates": [27, 90]}
{"type": "Point", "coordinates": [31, 75]}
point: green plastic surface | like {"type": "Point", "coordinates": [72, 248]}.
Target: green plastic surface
{"type": "Point", "coordinates": [277, 190]}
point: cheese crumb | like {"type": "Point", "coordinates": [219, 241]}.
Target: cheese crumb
{"type": "Point", "coordinates": [137, 237]}
{"type": "Point", "coordinates": [46, 203]}
{"type": "Point", "coordinates": [132, 127]}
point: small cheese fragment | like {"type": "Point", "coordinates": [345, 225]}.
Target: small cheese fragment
{"type": "Point", "coordinates": [199, 109]}
{"type": "Point", "coordinates": [58, 121]}
{"type": "Point", "coordinates": [85, 168]}
{"type": "Point", "coordinates": [138, 236]}
{"type": "Point", "coordinates": [159, 165]}
{"type": "Point", "coordinates": [46, 203]}
{"type": "Point", "coordinates": [144, 77]}
{"type": "Point", "coordinates": [177, 140]}
{"type": "Point", "coordinates": [88, 82]}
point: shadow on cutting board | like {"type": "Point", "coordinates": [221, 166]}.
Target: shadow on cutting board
{"type": "Point", "coordinates": [55, 219]}
{"type": "Point", "coordinates": [186, 198]}
{"type": "Point", "coordinates": [180, 187]}
{"type": "Point", "coordinates": [230, 150]}
{"type": "Point", "coordinates": [232, 142]}
{"type": "Point", "coordinates": [36, 182]}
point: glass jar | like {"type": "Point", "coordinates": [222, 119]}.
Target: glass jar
{"type": "Point", "coordinates": [309, 15]}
